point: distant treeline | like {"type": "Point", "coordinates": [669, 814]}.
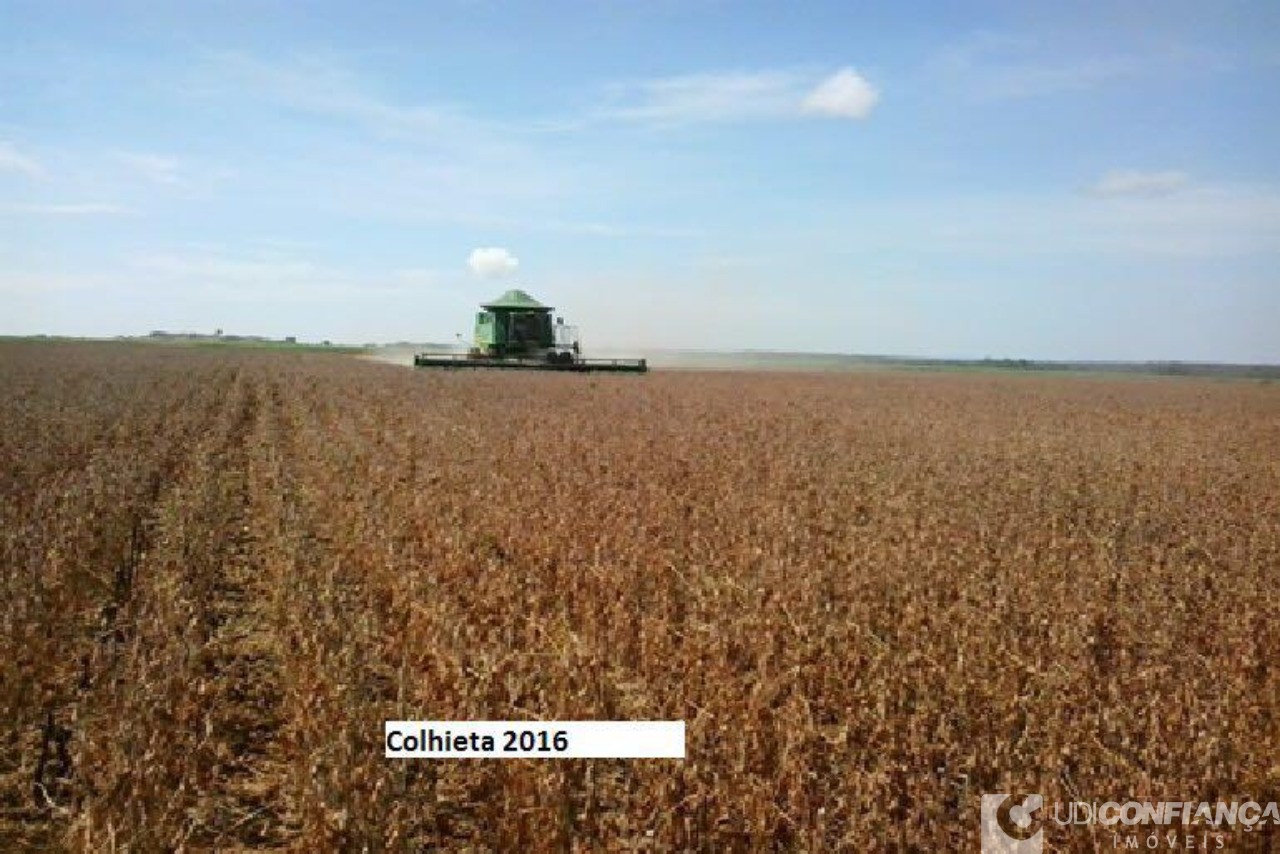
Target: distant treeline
{"type": "Point", "coordinates": [1174, 369]}
{"type": "Point", "coordinates": [199, 339]}
{"type": "Point", "coordinates": [161, 335]}
{"type": "Point", "coordinates": [1161, 368]}
{"type": "Point", "coordinates": [768, 360]}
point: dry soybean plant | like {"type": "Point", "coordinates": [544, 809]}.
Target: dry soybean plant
{"type": "Point", "coordinates": [873, 597]}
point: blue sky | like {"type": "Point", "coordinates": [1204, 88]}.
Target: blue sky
{"type": "Point", "coordinates": [989, 179]}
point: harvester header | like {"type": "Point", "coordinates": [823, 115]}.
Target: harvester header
{"type": "Point", "coordinates": [515, 331]}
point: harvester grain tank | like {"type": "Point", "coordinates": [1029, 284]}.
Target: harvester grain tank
{"type": "Point", "coordinates": [515, 331]}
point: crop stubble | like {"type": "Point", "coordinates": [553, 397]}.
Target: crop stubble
{"type": "Point", "coordinates": [873, 597]}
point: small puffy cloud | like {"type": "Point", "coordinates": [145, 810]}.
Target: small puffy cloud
{"type": "Point", "coordinates": [1133, 183]}
{"type": "Point", "coordinates": [844, 95]}
{"type": "Point", "coordinates": [492, 262]}
{"type": "Point", "coordinates": [13, 160]}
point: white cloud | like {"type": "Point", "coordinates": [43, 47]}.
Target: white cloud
{"type": "Point", "coordinates": [73, 209]}
{"type": "Point", "coordinates": [320, 85]}
{"type": "Point", "coordinates": [13, 160]}
{"type": "Point", "coordinates": [155, 168]}
{"type": "Point", "coordinates": [413, 154]}
{"type": "Point", "coordinates": [1210, 222]}
{"type": "Point", "coordinates": [708, 98]}
{"type": "Point", "coordinates": [1134, 183]}
{"type": "Point", "coordinates": [845, 94]}
{"type": "Point", "coordinates": [266, 275]}
{"type": "Point", "coordinates": [742, 96]}
{"type": "Point", "coordinates": [997, 66]}
{"type": "Point", "coordinates": [1030, 80]}
{"type": "Point", "coordinates": [492, 262]}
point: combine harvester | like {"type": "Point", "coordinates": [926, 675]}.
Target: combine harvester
{"type": "Point", "coordinates": [516, 332]}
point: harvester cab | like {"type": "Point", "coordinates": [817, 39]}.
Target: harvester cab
{"type": "Point", "coordinates": [517, 331]}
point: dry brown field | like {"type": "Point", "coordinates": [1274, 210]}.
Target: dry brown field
{"type": "Point", "coordinates": [873, 597]}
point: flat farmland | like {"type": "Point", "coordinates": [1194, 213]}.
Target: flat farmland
{"type": "Point", "coordinates": [873, 597]}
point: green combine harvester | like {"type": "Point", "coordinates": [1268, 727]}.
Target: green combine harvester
{"type": "Point", "coordinates": [516, 332]}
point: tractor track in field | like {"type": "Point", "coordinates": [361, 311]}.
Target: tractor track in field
{"type": "Point", "coordinates": [245, 805]}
